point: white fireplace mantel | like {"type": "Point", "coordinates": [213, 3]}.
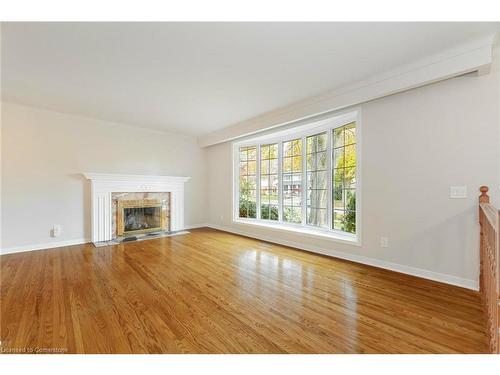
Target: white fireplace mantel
{"type": "Point", "coordinates": [103, 184]}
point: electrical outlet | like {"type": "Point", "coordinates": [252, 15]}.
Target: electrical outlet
{"type": "Point", "coordinates": [384, 241]}
{"type": "Point", "coordinates": [221, 217]}
{"type": "Point", "coordinates": [56, 230]}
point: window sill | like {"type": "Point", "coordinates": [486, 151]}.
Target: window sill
{"type": "Point", "coordinates": [346, 238]}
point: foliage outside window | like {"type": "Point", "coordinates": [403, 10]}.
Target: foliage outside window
{"type": "Point", "coordinates": [316, 186]}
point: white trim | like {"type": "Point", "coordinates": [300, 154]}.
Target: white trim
{"type": "Point", "coordinates": [195, 226]}
{"type": "Point", "coordinates": [48, 245]}
{"type": "Point", "coordinates": [57, 244]}
{"type": "Point", "coordinates": [304, 230]}
{"type": "Point", "coordinates": [418, 272]}
{"type": "Point", "coordinates": [470, 57]}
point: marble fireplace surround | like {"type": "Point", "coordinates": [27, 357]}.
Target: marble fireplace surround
{"type": "Point", "coordinates": [103, 185]}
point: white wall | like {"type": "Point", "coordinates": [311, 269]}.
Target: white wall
{"type": "Point", "coordinates": [45, 152]}
{"type": "Point", "coordinates": [415, 145]}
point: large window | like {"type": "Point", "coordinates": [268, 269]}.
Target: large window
{"type": "Point", "coordinates": [306, 178]}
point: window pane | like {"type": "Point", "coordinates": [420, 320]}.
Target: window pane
{"type": "Point", "coordinates": [292, 182]}
{"type": "Point", "coordinates": [252, 167]}
{"type": "Point", "coordinates": [350, 221]}
{"type": "Point", "coordinates": [322, 142]}
{"type": "Point", "coordinates": [338, 179]}
{"type": "Point", "coordinates": [338, 137]}
{"type": "Point", "coordinates": [264, 182]}
{"type": "Point", "coordinates": [274, 166]}
{"type": "Point", "coordinates": [264, 167]}
{"type": "Point", "coordinates": [350, 178]}
{"type": "Point", "coordinates": [287, 164]}
{"type": "Point", "coordinates": [338, 219]}
{"type": "Point", "coordinates": [268, 181]}
{"type": "Point", "coordinates": [252, 153]}
{"type": "Point", "coordinates": [317, 217]}
{"type": "Point", "coordinates": [297, 147]}
{"type": "Point", "coordinates": [317, 180]}
{"type": "Point", "coordinates": [322, 161]}
{"type": "Point", "coordinates": [344, 178]}
{"type": "Point", "coordinates": [273, 212]}
{"type": "Point", "coordinates": [339, 199]}
{"type": "Point", "coordinates": [338, 157]}
{"type": "Point", "coordinates": [243, 169]}
{"type": "Point", "coordinates": [297, 163]}
{"type": "Point", "coordinates": [287, 148]}
{"type": "Point", "coordinates": [264, 196]}
{"type": "Point", "coordinates": [350, 134]}
{"type": "Point", "coordinates": [292, 214]}
{"type": "Point", "coordinates": [248, 181]}
{"type": "Point", "coordinates": [273, 151]}
{"type": "Point", "coordinates": [318, 198]}
{"type": "Point", "coordinates": [252, 182]}
{"type": "Point", "coordinates": [350, 156]}
{"type": "Point", "coordinates": [264, 211]}
{"type": "Point", "coordinates": [264, 152]}
{"type": "Point", "coordinates": [311, 162]}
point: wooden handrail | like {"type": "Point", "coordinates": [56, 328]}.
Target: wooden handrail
{"type": "Point", "coordinates": [489, 285]}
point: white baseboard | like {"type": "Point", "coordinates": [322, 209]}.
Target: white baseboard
{"type": "Point", "coordinates": [48, 245]}
{"type": "Point", "coordinates": [425, 274]}
{"type": "Point", "coordinates": [194, 226]}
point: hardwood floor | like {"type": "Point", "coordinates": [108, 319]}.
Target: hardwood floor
{"type": "Point", "coordinates": [214, 292]}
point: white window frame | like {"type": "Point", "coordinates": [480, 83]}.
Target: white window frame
{"type": "Point", "coordinates": [303, 129]}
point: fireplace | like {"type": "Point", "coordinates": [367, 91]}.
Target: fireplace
{"type": "Point", "coordinates": [108, 189]}
{"type": "Point", "coordinates": [140, 213]}
{"type": "Point", "coordinates": [140, 216]}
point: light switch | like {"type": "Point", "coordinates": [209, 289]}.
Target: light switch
{"type": "Point", "coordinates": [56, 230]}
{"type": "Point", "coordinates": [384, 241]}
{"type": "Point", "coordinates": [458, 192]}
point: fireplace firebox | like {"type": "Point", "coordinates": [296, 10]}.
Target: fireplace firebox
{"type": "Point", "coordinates": [136, 216]}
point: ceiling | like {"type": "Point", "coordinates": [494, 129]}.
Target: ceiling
{"type": "Point", "coordinates": [196, 78]}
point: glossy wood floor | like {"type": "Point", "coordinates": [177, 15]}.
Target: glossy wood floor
{"type": "Point", "coordinates": [214, 292]}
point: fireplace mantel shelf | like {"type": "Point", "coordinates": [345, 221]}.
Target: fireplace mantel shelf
{"type": "Point", "coordinates": [133, 177]}
{"type": "Point", "coordinates": [103, 184]}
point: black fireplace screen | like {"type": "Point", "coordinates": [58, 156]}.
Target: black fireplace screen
{"type": "Point", "coordinates": [142, 218]}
